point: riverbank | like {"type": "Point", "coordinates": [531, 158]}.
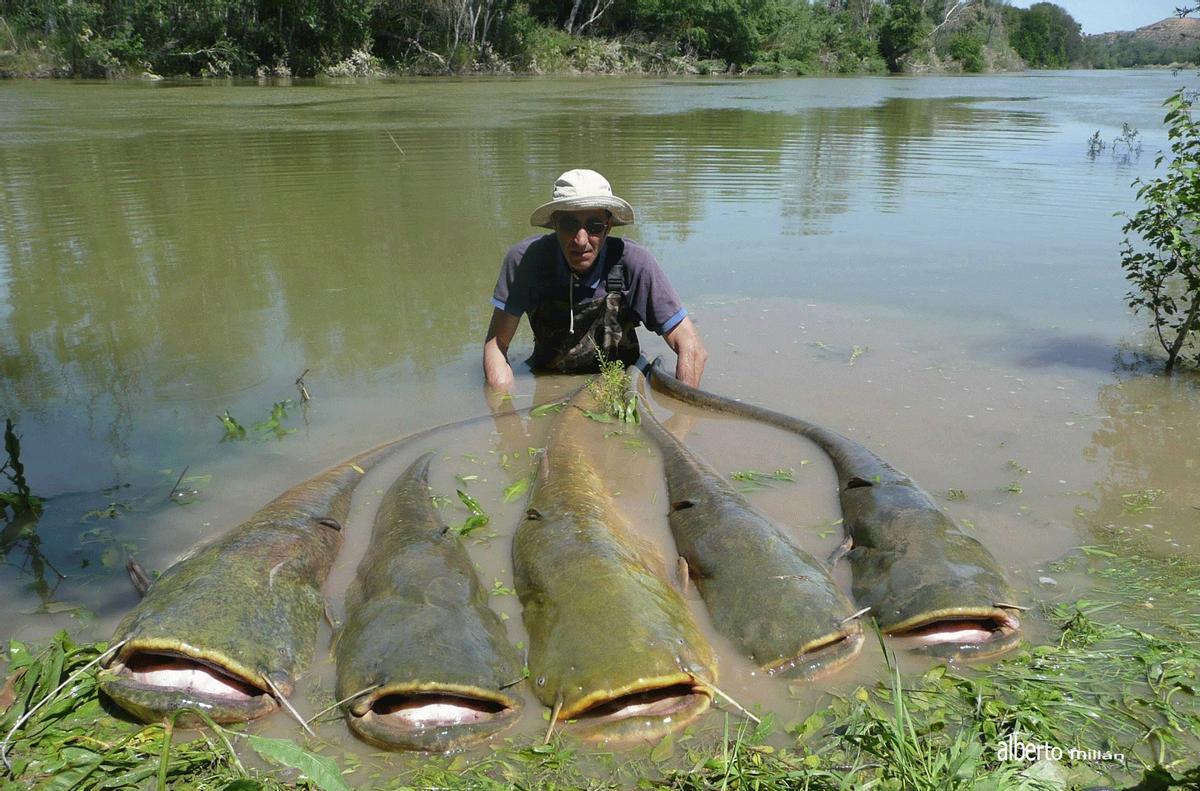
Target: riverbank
{"type": "Point", "coordinates": [1107, 698]}
{"type": "Point", "coordinates": [362, 38]}
{"type": "Point", "coordinates": [562, 56]}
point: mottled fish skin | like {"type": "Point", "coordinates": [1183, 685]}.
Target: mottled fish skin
{"type": "Point", "coordinates": [775, 602]}
{"type": "Point", "coordinates": [912, 565]}
{"type": "Point", "coordinates": [420, 635]}
{"type": "Point", "coordinates": [246, 606]}
{"type": "Point", "coordinates": [610, 642]}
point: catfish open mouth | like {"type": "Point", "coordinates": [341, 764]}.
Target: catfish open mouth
{"type": "Point", "coordinates": [153, 684]}
{"type": "Point", "coordinates": [823, 658]}
{"type": "Point", "coordinates": [429, 720]}
{"type": "Point", "coordinates": [962, 636]}
{"type": "Point", "coordinates": [643, 715]}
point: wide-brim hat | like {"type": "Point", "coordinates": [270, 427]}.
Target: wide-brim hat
{"type": "Point", "coordinates": [578, 190]}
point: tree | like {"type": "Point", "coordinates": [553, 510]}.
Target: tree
{"type": "Point", "coordinates": [1046, 35]}
{"type": "Point", "coordinates": [902, 31]}
{"type": "Point", "coordinates": [1165, 269]}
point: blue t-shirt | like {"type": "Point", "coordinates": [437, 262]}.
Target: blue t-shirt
{"type": "Point", "coordinates": [535, 270]}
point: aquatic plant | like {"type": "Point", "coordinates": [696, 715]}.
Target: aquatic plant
{"type": "Point", "coordinates": [753, 480]}
{"type": "Point", "coordinates": [611, 388]}
{"type": "Point", "coordinates": [22, 501]}
{"type": "Point", "coordinates": [1164, 269]}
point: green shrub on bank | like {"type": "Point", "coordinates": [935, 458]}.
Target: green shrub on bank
{"type": "Point", "coordinates": [98, 38]}
{"type": "Point", "coordinates": [967, 49]}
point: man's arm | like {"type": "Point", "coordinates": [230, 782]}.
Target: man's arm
{"type": "Point", "coordinates": [496, 369]}
{"type": "Point", "coordinates": [684, 340]}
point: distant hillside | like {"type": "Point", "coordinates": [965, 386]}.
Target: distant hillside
{"type": "Point", "coordinates": [1169, 32]}
{"type": "Point", "coordinates": [1169, 41]}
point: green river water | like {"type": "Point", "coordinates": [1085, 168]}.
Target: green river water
{"type": "Point", "coordinates": [928, 264]}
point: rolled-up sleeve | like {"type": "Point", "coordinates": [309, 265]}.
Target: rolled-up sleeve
{"type": "Point", "coordinates": [514, 287]}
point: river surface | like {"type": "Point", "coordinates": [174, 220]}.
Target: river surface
{"type": "Point", "coordinates": [927, 264]}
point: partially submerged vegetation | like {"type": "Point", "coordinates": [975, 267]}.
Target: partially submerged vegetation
{"type": "Point", "coordinates": [1109, 697]}
{"type": "Point", "coordinates": [21, 501]}
{"type": "Point", "coordinates": [1161, 252]}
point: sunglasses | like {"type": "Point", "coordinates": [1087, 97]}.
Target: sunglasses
{"type": "Point", "coordinates": [568, 223]}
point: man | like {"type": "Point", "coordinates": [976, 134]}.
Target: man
{"type": "Point", "coordinates": [585, 290]}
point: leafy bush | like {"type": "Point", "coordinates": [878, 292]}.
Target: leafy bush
{"type": "Point", "coordinates": [1165, 270]}
{"type": "Point", "coordinates": [967, 49]}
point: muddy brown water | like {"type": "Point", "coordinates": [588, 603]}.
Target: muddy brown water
{"type": "Point", "coordinates": [928, 265]}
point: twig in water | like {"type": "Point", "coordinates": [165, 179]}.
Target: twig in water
{"type": "Point", "coordinates": [1007, 606]}
{"type": "Point", "coordinates": [304, 394]}
{"type": "Point", "coordinates": [178, 481]}
{"type": "Point", "coordinates": [279, 696]}
{"type": "Point", "coordinates": [728, 699]}
{"type": "Point", "coordinates": [328, 709]}
{"type": "Point", "coordinates": [25, 717]}
{"type": "Point", "coordinates": [553, 719]}
{"type": "Point", "coordinates": [397, 145]}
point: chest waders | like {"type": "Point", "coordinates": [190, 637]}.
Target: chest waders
{"type": "Point", "coordinates": [566, 336]}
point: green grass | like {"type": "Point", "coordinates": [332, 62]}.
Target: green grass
{"type": "Point", "coordinates": [1118, 677]}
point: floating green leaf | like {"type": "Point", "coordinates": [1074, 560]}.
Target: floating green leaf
{"type": "Point", "coordinates": [233, 429]}
{"type": "Point", "coordinates": [516, 490]}
{"type": "Point", "coordinates": [317, 769]}
{"type": "Point", "coordinates": [547, 409]}
{"type": "Point", "coordinates": [473, 523]}
{"type": "Point", "coordinates": [274, 423]}
{"type": "Point", "coordinates": [471, 503]}
{"type": "Point", "coordinates": [599, 417]}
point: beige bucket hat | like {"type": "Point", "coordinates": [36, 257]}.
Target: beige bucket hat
{"type": "Point", "coordinates": [581, 189]}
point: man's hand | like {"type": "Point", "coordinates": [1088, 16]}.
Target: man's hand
{"type": "Point", "coordinates": [691, 355]}
{"type": "Point", "coordinates": [496, 369]}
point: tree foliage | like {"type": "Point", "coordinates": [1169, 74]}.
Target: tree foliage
{"type": "Point", "coordinates": [1129, 51]}
{"type": "Point", "coordinates": [903, 30]}
{"type": "Point", "coordinates": [1045, 35]}
{"type": "Point", "coordinates": [1164, 267]}
{"type": "Point", "coordinates": [95, 38]}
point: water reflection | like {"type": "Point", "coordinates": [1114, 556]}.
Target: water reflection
{"type": "Point", "coordinates": [192, 249]}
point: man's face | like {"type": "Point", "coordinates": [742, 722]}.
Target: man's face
{"type": "Point", "coordinates": [580, 234]}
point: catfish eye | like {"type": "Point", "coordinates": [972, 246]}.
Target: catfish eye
{"type": "Point", "coordinates": [330, 522]}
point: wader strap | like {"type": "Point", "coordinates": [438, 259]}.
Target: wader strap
{"type": "Point", "coordinates": [615, 282]}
